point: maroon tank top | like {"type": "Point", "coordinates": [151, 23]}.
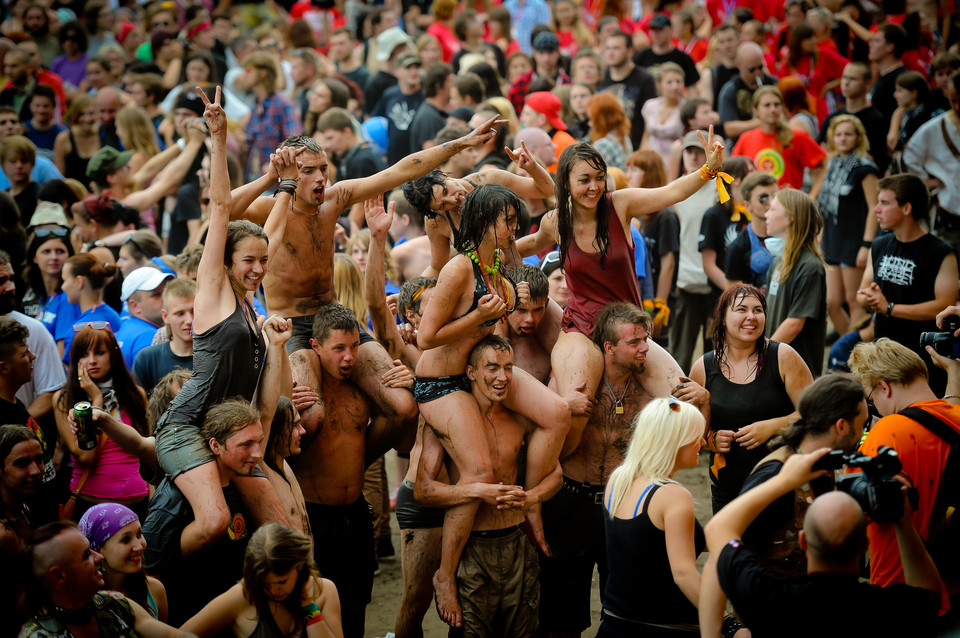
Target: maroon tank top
{"type": "Point", "coordinates": [593, 286]}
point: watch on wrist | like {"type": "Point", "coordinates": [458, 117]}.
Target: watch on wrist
{"type": "Point", "coordinates": [890, 306]}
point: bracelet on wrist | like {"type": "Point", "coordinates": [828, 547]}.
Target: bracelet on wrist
{"type": "Point", "coordinates": [951, 396]}
{"type": "Point", "coordinates": [730, 626]}
{"type": "Point", "coordinates": [890, 306]}
{"type": "Point", "coordinates": [289, 182]}
{"type": "Point", "coordinates": [866, 243]}
{"type": "Point", "coordinates": [707, 173]}
{"type": "Point", "coordinates": [311, 613]}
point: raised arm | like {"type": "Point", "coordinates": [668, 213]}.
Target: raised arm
{"type": "Point", "coordinates": [276, 379]}
{"type": "Point", "coordinates": [173, 174]}
{"type": "Point", "coordinates": [284, 163]}
{"type": "Point", "coordinates": [374, 278]}
{"type": "Point", "coordinates": [352, 191]}
{"type": "Point", "coordinates": [633, 202]}
{"type": "Point", "coordinates": [539, 185]}
{"type": "Point", "coordinates": [154, 165]}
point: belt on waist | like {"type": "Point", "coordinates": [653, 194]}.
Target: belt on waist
{"type": "Point", "coordinates": [494, 533]}
{"type": "Point", "coordinates": [593, 493]}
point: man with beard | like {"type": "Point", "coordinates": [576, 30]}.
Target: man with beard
{"type": "Point", "coordinates": [36, 22]}
{"type": "Point", "coordinates": [635, 371]}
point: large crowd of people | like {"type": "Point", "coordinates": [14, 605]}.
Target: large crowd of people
{"type": "Point", "coordinates": [248, 249]}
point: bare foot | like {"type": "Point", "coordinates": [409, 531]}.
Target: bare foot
{"type": "Point", "coordinates": [533, 526]}
{"type": "Point", "coordinates": [445, 594]}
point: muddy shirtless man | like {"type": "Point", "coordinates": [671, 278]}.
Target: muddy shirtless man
{"type": "Point", "coordinates": [533, 328]}
{"type": "Point", "coordinates": [497, 576]}
{"type": "Point", "coordinates": [300, 280]}
{"type": "Point", "coordinates": [635, 371]}
{"type": "Point", "coordinates": [330, 469]}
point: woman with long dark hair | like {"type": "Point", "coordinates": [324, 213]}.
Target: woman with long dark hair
{"type": "Point", "coordinates": [596, 251]}
{"type": "Point", "coordinates": [754, 384]}
{"type": "Point", "coordinates": [107, 473]}
{"type": "Point", "coordinates": [281, 594]}
{"type": "Point", "coordinates": [48, 249]}
{"type": "Point", "coordinates": [114, 531]}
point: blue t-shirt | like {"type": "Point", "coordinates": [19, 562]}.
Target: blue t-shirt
{"type": "Point", "coordinates": [58, 315]}
{"type": "Point", "coordinates": [43, 171]}
{"type": "Point", "coordinates": [103, 312]}
{"type": "Point", "coordinates": [134, 335]}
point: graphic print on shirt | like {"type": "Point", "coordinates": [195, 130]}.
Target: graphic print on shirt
{"type": "Point", "coordinates": [896, 270]}
{"type": "Point", "coordinates": [770, 161]}
{"type": "Point", "coordinates": [401, 115]}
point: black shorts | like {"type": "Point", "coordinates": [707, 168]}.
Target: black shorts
{"type": "Point", "coordinates": [303, 332]}
{"type": "Point", "coordinates": [427, 389]}
{"type": "Point", "coordinates": [412, 515]}
{"type": "Point", "coordinates": [343, 548]}
{"type": "Point", "coordinates": [573, 525]}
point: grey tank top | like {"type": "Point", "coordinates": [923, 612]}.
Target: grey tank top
{"type": "Point", "coordinates": [227, 362]}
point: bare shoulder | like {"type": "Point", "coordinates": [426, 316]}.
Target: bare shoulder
{"type": "Point", "coordinates": [661, 373]}
{"type": "Point", "coordinates": [675, 496]}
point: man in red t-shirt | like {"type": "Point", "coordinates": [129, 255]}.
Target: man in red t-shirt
{"type": "Point", "coordinates": [893, 378]}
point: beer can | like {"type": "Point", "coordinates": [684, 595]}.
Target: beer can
{"type": "Point", "coordinates": [86, 430]}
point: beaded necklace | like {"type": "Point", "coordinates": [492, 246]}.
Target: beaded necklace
{"type": "Point", "coordinates": [494, 271]}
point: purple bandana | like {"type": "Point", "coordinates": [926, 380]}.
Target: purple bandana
{"type": "Point", "coordinates": [100, 522]}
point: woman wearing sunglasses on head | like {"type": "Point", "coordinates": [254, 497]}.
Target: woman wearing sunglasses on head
{"type": "Point", "coordinates": [107, 473]}
{"type": "Point", "coordinates": [44, 298]}
{"type": "Point", "coordinates": [84, 278]}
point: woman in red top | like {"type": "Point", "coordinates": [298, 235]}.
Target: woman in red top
{"type": "Point", "coordinates": [819, 69]}
{"type": "Point", "coordinates": [592, 228]}
{"type": "Point", "coordinates": [442, 28]}
{"type": "Point", "coordinates": [776, 148]}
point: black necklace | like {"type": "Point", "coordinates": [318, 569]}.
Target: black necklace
{"type": "Point", "coordinates": [75, 617]}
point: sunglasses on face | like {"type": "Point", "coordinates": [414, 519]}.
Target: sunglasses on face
{"type": "Point", "coordinates": [95, 325]}
{"type": "Point", "coordinates": [754, 69]}
{"type": "Point", "coordinates": [51, 232]}
{"type": "Point", "coordinates": [764, 199]}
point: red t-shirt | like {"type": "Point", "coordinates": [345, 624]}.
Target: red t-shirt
{"type": "Point", "coordinates": [786, 164]}
{"type": "Point", "coordinates": [830, 65]}
{"type": "Point", "coordinates": [449, 43]}
{"type": "Point", "coordinates": [923, 455]}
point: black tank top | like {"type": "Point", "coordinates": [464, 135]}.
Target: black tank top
{"type": "Point", "coordinates": [640, 586]}
{"type": "Point", "coordinates": [735, 405]}
{"type": "Point", "coordinates": [227, 361]}
{"type": "Point", "coordinates": [76, 166]}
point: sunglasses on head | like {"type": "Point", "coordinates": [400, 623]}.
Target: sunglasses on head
{"type": "Point", "coordinates": [673, 403]}
{"type": "Point", "coordinates": [95, 325]}
{"type": "Point", "coordinates": [55, 232]}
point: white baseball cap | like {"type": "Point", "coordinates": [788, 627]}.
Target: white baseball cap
{"type": "Point", "coordinates": [145, 278]}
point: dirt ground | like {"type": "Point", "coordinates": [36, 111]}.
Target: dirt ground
{"type": "Point", "coordinates": [382, 611]}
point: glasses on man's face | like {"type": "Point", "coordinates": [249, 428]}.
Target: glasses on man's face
{"type": "Point", "coordinates": [93, 325]}
{"type": "Point", "coordinates": [40, 233]}
{"type": "Point", "coordinates": [754, 69]}
{"type": "Point", "coordinates": [871, 408]}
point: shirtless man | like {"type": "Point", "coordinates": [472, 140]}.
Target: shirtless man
{"type": "Point", "coordinates": [331, 469]}
{"type": "Point", "coordinates": [529, 353]}
{"type": "Point", "coordinates": [300, 279]}
{"type": "Point", "coordinates": [497, 576]}
{"type": "Point", "coordinates": [636, 370]}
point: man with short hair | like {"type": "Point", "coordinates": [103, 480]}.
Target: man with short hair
{"type": "Point", "coordinates": [399, 105]}
{"type": "Point", "coordinates": [36, 22]}
{"type": "Point", "coordinates": [725, 68]}
{"type": "Point", "coordinates": [546, 58]}
{"type": "Point", "coordinates": [392, 44]}
{"type": "Point", "coordinates": [895, 382]}
{"type": "Point", "coordinates": [43, 170]}
{"type": "Point", "coordinates": [194, 574]}
{"type": "Point", "coordinates": [342, 51]}
{"type": "Point", "coordinates": [16, 369]}
{"type": "Point", "coordinates": [631, 84]}
{"type": "Point", "coordinates": [461, 164]}
{"type": "Point", "coordinates": [933, 153]}
{"type": "Point", "coordinates": [497, 574]}
{"type": "Point", "coordinates": [352, 155]}
{"type": "Point", "coordinates": [175, 352]}
{"type": "Point", "coordinates": [830, 594]}
{"type": "Point", "coordinates": [523, 324]}
{"type": "Point", "coordinates": [147, 93]}
{"type": "Point", "coordinates": [636, 370]}
{"type": "Point", "coordinates": [143, 292]}
{"type": "Point", "coordinates": [911, 275]}
{"type": "Point", "coordinates": [748, 258]}
{"type": "Point", "coordinates": [41, 129]}
{"type": "Point", "coordinates": [18, 156]}
{"type": "Point", "coordinates": [70, 575]}
{"type": "Point", "coordinates": [411, 246]}
{"type": "Point", "coordinates": [466, 90]}
{"type": "Point", "coordinates": [304, 71]}
{"type": "Point", "coordinates": [886, 49]}
{"type": "Point", "coordinates": [854, 83]}
{"type": "Point", "coordinates": [696, 114]}
{"type": "Point", "coordinates": [540, 145]}
{"type": "Point", "coordinates": [20, 83]}
{"type": "Point", "coordinates": [735, 106]}
{"type": "Point", "coordinates": [542, 111]}
{"type": "Point", "coordinates": [431, 115]}
{"type": "Point", "coordinates": [662, 50]}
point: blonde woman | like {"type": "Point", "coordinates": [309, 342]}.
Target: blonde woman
{"type": "Point", "coordinates": [797, 288]}
{"type": "Point", "coordinates": [358, 246]}
{"type": "Point", "coordinates": [348, 283]}
{"type": "Point", "coordinates": [137, 134]}
{"type": "Point", "coordinates": [846, 199]}
{"type": "Point", "coordinates": [653, 537]}
{"type": "Point", "coordinates": [776, 148]}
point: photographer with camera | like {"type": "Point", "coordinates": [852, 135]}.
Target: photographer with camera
{"type": "Point", "coordinates": [833, 411]}
{"type": "Point", "coordinates": [830, 599]}
{"type": "Point", "coordinates": [894, 379]}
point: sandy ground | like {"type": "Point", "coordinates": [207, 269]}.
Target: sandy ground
{"type": "Point", "coordinates": [382, 611]}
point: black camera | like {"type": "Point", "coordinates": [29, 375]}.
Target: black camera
{"type": "Point", "coordinates": [875, 489]}
{"type": "Point", "coordinates": [944, 343]}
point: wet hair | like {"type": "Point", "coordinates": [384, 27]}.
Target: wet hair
{"type": "Point", "coordinates": [278, 549]}
{"type": "Point", "coordinates": [480, 211]}
{"type": "Point", "coordinates": [728, 299]}
{"type": "Point", "coordinates": [280, 428]}
{"type": "Point", "coordinates": [237, 231]}
{"type": "Point", "coordinates": [419, 191]}
{"type": "Point", "coordinates": [832, 397]}
{"type": "Point", "coordinates": [125, 387]}
{"type": "Point", "coordinates": [907, 188]}
{"type": "Point", "coordinates": [616, 314]}
{"type": "Point", "coordinates": [490, 341]}
{"type": "Point", "coordinates": [302, 141]}
{"type": "Point", "coordinates": [581, 151]}
{"type": "Point", "coordinates": [539, 286]}
{"type": "Point", "coordinates": [803, 232]}
{"type": "Point", "coordinates": [86, 265]}
{"type": "Point", "coordinates": [161, 395]}
{"type": "Point", "coordinates": [330, 317]}
{"type": "Point", "coordinates": [410, 293]}
{"type": "Point", "coordinates": [12, 333]}
{"type": "Point", "coordinates": [226, 418]}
